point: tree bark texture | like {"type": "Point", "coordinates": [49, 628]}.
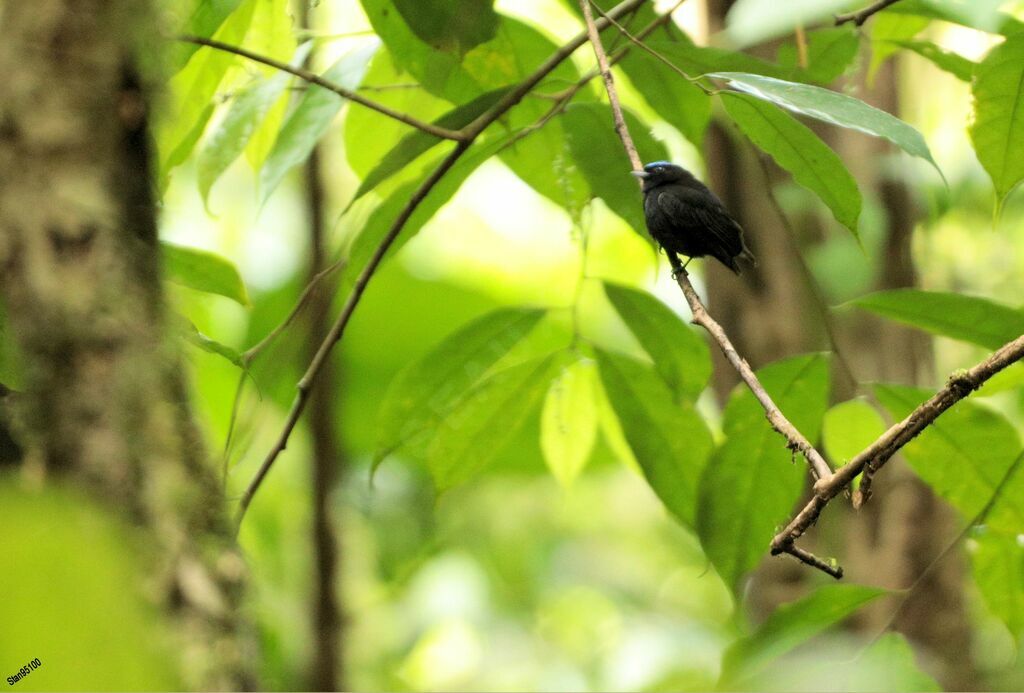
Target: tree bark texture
{"type": "Point", "coordinates": [105, 401]}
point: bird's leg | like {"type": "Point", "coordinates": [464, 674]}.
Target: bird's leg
{"type": "Point", "coordinates": [678, 267]}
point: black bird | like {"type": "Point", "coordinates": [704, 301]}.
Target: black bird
{"type": "Point", "coordinates": [686, 218]}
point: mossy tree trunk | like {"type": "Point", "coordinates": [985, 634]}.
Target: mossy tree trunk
{"type": "Point", "coordinates": [105, 402]}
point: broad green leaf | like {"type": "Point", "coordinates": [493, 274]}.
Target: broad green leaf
{"type": "Point", "coordinates": [797, 149]}
{"type": "Point", "coordinates": [425, 391]}
{"type": "Point", "coordinates": [205, 19]}
{"type": "Point", "coordinates": [454, 27]}
{"type": "Point", "coordinates": [886, 30]}
{"type": "Point", "coordinates": [192, 92]}
{"type": "Point", "coordinates": [749, 487]}
{"type": "Point", "coordinates": [312, 116]}
{"type": "Point", "coordinates": [958, 316]}
{"type": "Point", "coordinates": [831, 107]}
{"type": "Point", "coordinates": [681, 356]}
{"type": "Point", "coordinates": [203, 271]}
{"type": "Point", "coordinates": [194, 336]}
{"type": "Point", "coordinates": [271, 35]}
{"type": "Point", "coordinates": [568, 421]}
{"type": "Point", "coordinates": [417, 142]}
{"type": "Point", "coordinates": [697, 60]}
{"type": "Point", "coordinates": [977, 14]}
{"type": "Point", "coordinates": [956, 65]}
{"type": "Point", "coordinates": [681, 103]}
{"type": "Point", "coordinates": [486, 419]}
{"type": "Point", "coordinates": [997, 560]}
{"type": "Point", "coordinates": [543, 158]}
{"type": "Point", "coordinates": [885, 666]}
{"type": "Point", "coordinates": [229, 138]}
{"type": "Point", "coordinates": [964, 456]}
{"type": "Point", "coordinates": [383, 217]}
{"type": "Point", "coordinates": [849, 428]}
{"type": "Point", "coordinates": [1011, 378]}
{"type": "Point", "coordinates": [830, 51]}
{"type": "Point", "coordinates": [792, 625]}
{"type": "Point", "coordinates": [515, 51]}
{"type": "Point", "coordinates": [670, 440]}
{"type": "Point", "coordinates": [388, 85]}
{"type": "Point", "coordinates": [599, 154]}
{"type": "Point", "coordinates": [997, 131]}
{"type": "Point", "coordinates": [754, 21]}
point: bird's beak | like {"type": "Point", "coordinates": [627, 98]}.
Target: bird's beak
{"type": "Point", "coordinates": [640, 174]}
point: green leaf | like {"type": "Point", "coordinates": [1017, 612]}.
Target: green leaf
{"type": "Point", "coordinates": [956, 65]}
{"type": "Point", "coordinates": [753, 21]}
{"type": "Point", "coordinates": [194, 336]}
{"type": "Point", "coordinates": [425, 391]}
{"type": "Point", "coordinates": [670, 440]}
{"type": "Point", "coordinates": [486, 419]}
{"type": "Point", "coordinates": [797, 149]}
{"type": "Point", "coordinates": [568, 421]}
{"type": "Point", "coordinates": [958, 316]}
{"type": "Point", "coordinates": [454, 27]}
{"type": "Point", "coordinates": [963, 456]}
{"type": "Point", "coordinates": [997, 560]}
{"type": "Point", "coordinates": [753, 480]}
{"type": "Point", "coordinates": [849, 428]}
{"type": "Point", "coordinates": [681, 356]}
{"type": "Point", "coordinates": [229, 138]}
{"type": "Point", "coordinates": [886, 666]}
{"type": "Point", "coordinates": [792, 625]}
{"type": "Point", "coordinates": [886, 30]}
{"type": "Point", "coordinates": [599, 154]}
{"type": "Point", "coordinates": [831, 107]}
{"type": "Point", "coordinates": [418, 142]}
{"type": "Point", "coordinates": [976, 14]}
{"type": "Point", "coordinates": [681, 103]}
{"type": "Point", "coordinates": [312, 116]}
{"type": "Point", "coordinates": [203, 271]}
{"type": "Point", "coordinates": [204, 21]}
{"type": "Point", "coordinates": [383, 217]}
{"type": "Point", "coordinates": [697, 60]}
{"type": "Point", "coordinates": [998, 128]}
{"type": "Point", "coordinates": [830, 52]}
{"type": "Point", "coordinates": [192, 93]}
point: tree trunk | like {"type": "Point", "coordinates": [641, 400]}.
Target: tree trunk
{"type": "Point", "coordinates": [105, 401]}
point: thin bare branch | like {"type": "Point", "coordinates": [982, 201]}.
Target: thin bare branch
{"type": "Point", "coordinates": [810, 559]}
{"type": "Point", "coordinates": [959, 386]}
{"type": "Point", "coordinates": [313, 78]}
{"type": "Point", "coordinates": [862, 16]}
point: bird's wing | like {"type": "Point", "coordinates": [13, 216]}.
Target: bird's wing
{"type": "Point", "coordinates": [692, 209]}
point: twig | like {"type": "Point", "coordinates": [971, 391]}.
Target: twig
{"type": "Point", "coordinates": [313, 78]}
{"type": "Point", "coordinates": [643, 46]}
{"type": "Point", "coordinates": [862, 16]}
{"type": "Point", "coordinates": [959, 386]}
{"type": "Point", "coordinates": [467, 136]}
{"type": "Point", "coordinates": [796, 440]}
{"type": "Point", "coordinates": [778, 421]}
{"type": "Point", "coordinates": [810, 559]}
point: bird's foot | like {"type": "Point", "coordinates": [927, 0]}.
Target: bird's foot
{"type": "Point", "coordinates": [679, 269]}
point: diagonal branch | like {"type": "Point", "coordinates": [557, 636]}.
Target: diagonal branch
{"type": "Point", "coordinates": [862, 16]}
{"type": "Point", "coordinates": [796, 440]}
{"type": "Point", "coordinates": [959, 386]}
{"type": "Point", "coordinates": [466, 138]}
{"type": "Point", "coordinates": [313, 78]}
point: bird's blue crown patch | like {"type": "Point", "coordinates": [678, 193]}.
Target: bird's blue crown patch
{"type": "Point", "coordinates": [655, 164]}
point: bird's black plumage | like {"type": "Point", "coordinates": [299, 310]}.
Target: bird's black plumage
{"type": "Point", "coordinates": [686, 218]}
